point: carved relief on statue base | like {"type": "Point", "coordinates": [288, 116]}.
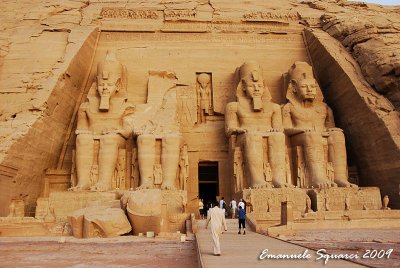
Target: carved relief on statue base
{"type": "Point", "coordinates": [334, 199]}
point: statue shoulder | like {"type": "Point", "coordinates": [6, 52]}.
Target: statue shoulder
{"type": "Point", "coordinates": [275, 106]}
{"type": "Point", "coordinates": [84, 106]}
{"type": "Point", "coordinates": [287, 107]}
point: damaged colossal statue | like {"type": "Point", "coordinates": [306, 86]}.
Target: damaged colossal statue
{"type": "Point", "coordinates": [255, 123]}
{"type": "Point", "coordinates": [101, 121]}
{"type": "Point", "coordinates": [308, 121]}
{"type": "Point", "coordinates": [165, 172]}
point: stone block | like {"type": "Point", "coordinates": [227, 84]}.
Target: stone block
{"type": "Point", "coordinates": [332, 199]}
{"type": "Point", "coordinates": [65, 203]}
{"type": "Point", "coordinates": [99, 222]}
{"type": "Point", "coordinates": [270, 199]}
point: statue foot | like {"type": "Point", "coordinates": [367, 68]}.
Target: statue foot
{"type": "Point", "coordinates": [167, 187]}
{"type": "Point", "coordinates": [323, 184]}
{"type": "Point", "coordinates": [79, 187]}
{"type": "Point", "coordinates": [279, 184]}
{"type": "Point", "coordinates": [100, 187]}
{"type": "Point", "coordinates": [345, 183]}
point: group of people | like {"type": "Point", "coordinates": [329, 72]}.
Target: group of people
{"type": "Point", "coordinates": [216, 215]}
{"type": "Point", "coordinates": [233, 207]}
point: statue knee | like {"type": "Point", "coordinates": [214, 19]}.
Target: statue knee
{"type": "Point", "coordinates": [312, 137]}
{"type": "Point", "coordinates": [110, 139]}
{"type": "Point", "coordinates": [336, 137]}
{"type": "Point", "coordinates": [146, 140]}
{"type": "Point", "coordinates": [84, 139]}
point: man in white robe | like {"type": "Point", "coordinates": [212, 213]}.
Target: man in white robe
{"type": "Point", "coordinates": [217, 218]}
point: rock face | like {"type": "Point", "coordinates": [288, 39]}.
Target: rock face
{"type": "Point", "coordinates": [181, 58]}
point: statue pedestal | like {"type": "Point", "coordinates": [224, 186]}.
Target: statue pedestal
{"type": "Point", "coordinates": [343, 198]}
{"type": "Point", "coordinates": [65, 203]}
{"type": "Point", "coordinates": [269, 200]}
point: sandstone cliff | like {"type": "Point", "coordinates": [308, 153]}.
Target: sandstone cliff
{"type": "Point", "coordinates": [47, 49]}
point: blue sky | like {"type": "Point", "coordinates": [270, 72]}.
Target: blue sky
{"type": "Point", "coordinates": [382, 2]}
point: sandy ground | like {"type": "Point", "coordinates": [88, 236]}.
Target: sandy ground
{"type": "Point", "coordinates": [125, 251]}
{"type": "Point", "coordinates": [360, 241]}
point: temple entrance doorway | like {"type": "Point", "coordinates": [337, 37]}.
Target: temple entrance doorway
{"type": "Point", "coordinates": [208, 181]}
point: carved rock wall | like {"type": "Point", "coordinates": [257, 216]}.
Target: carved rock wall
{"type": "Point", "coordinates": [33, 136]}
{"type": "Point", "coordinates": [46, 49]}
{"type": "Point", "coordinates": [370, 123]}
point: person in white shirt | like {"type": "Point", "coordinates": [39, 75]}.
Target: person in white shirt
{"type": "Point", "coordinates": [233, 208]}
{"type": "Point", "coordinates": [221, 203]}
{"type": "Point", "coordinates": [217, 218]}
{"type": "Point", "coordinates": [241, 204]}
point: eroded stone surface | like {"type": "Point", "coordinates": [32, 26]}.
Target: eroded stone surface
{"type": "Point", "coordinates": [181, 77]}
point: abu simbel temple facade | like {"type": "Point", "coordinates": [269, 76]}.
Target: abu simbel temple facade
{"type": "Point", "coordinates": [118, 116]}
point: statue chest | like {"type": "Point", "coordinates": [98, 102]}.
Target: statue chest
{"type": "Point", "coordinates": [313, 117]}
{"type": "Point", "coordinates": [249, 118]}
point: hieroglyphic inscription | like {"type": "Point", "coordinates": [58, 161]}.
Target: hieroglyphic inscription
{"type": "Point", "coordinates": [179, 14]}
{"type": "Point", "coordinates": [270, 16]}
{"type": "Point", "coordinates": [163, 38]}
{"type": "Point", "coordinates": [123, 13]}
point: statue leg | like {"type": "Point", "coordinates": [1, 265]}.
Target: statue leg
{"type": "Point", "coordinates": [337, 155]}
{"type": "Point", "coordinates": [254, 160]}
{"type": "Point", "coordinates": [170, 160]}
{"type": "Point", "coordinates": [277, 159]}
{"type": "Point", "coordinates": [314, 157]}
{"type": "Point", "coordinates": [84, 161]}
{"type": "Point", "coordinates": [108, 156]}
{"type": "Point", "coordinates": [146, 160]}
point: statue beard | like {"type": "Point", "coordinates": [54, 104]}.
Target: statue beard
{"type": "Point", "coordinates": [257, 103]}
{"type": "Point", "coordinates": [104, 102]}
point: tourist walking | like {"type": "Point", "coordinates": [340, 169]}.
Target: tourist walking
{"type": "Point", "coordinates": [242, 219]}
{"type": "Point", "coordinates": [232, 204]}
{"type": "Point", "coordinates": [201, 208]}
{"type": "Point", "coordinates": [218, 224]}
{"type": "Point", "coordinates": [222, 205]}
{"type": "Point", "coordinates": [241, 204]}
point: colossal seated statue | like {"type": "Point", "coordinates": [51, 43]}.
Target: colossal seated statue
{"type": "Point", "coordinates": [256, 125]}
{"type": "Point", "coordinates": [102, 119]}
{"type": "Point", "coordinates": [309, 123]}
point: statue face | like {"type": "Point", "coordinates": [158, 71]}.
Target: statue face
{"type": "Point", "coordinates": [306, 89]}
{"type": "Point", "coordinates": [106, 86]}
{"type": "Point", "coordinates": [253, 85]}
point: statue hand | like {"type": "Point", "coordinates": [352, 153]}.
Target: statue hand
{"type": "Point", "coordinates": [82, 131]}
{"type": "Point", "coordinates": [240, 130]}
{"type": "Point", "coordinates": [334, 129]}
{"type": "Point", "coordinates": [276, 130]}
{"type": "Point", "coordinates": [138, 132]}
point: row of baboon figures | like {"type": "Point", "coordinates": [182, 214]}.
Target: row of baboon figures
{"type": "Point", "coordinates": [257, 128]}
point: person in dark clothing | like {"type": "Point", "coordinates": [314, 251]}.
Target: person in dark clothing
{"type": "Point", "coordinates": [242, 219]}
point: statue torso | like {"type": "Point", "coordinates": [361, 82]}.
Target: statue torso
{"type": "Point", "coordinates": [255, 121]}
{"type": "Point", "coordinates": [313, 117]}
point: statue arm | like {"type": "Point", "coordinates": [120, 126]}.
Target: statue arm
{"type": "Point", "coordinates": [330, 121]}
{"type": "Point", "coordinates": [231, 119]}
{"type": "Point", "coordinates": [82, 126]}
{"type": "Point", "coordinates": [288, 123]}
{"type": "Point", "coordinates": [277, 118]}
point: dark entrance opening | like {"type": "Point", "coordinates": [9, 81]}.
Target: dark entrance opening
{"type": "Point", "coordinates": [208, 181]}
